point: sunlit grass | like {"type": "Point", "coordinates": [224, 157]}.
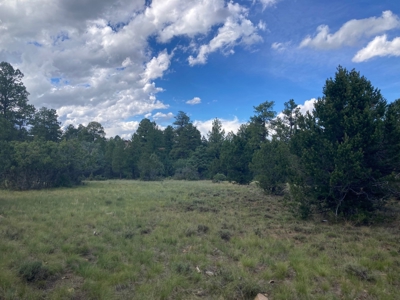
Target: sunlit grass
{"type": "Point", "coordinates": [185, 240]}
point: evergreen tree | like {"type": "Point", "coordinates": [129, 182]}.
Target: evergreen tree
{"type": "Point", "coordinates": [45, 125]}
{"type": "Point", "coordinates": [272, 166]}
{"type": "Point", "coordinates": [236, 154]}
{"type": "Point", "coordinates": [258, 123]}
{"type": "Point", "coordinates": [15, 112]}
{"type": "Point", "coordinates": [216, 138]}
{"type": "Point", "coordinates": [70, 133]}
{"type": "Point", "coordinates": [150, 167]}
{"type": "Point", "coordinates": [118, 156]}
{"type": "Point", "coordinates": [187, 137]}
{"type": "Point", "coordinates": [286, 125]}
{"type": "Point", "coordinates": [339, 146]}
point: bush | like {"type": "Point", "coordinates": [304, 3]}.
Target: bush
{"type": "Point", "coordinates": [33, 271]}
{"type": "Point", "coordinates": [219, 177]}
{"type": "Point", "coordinates": [300, 203]}
{"type": "Point", "coordinates": [186, 173]}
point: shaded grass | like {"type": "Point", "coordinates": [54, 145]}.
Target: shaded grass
{"type": "Point", "coordinates": [185, 240]}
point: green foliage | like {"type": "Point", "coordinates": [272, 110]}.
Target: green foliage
{"type": "Point", "coordinates": [186, 173]}
{"type": "Point", "coordinates": [33, 271]}
{"type": "Point", "coordinates": [187, 138]}
{"type": "Point", "coordinates": [341, 145]}
{"type": "Point", "coordinates": [15, 112]}
{"type": "Point", "coordinates": [236, 154]}
{"type": "Point", "coordinates": [272, 166]}
{"type": "Point", "coordinates": [219, 177]}
{"type": "Point", "coordinates": [300, 201]}
{"type": "Point", "coordinates": [118, 160]}
{"type": "Point", "coordinates": [150, 167]}
{"type": "Point", "coordinates": [45, 125]}
{"type": "Point", "coordinates": [38, 164]}
{"type": "Point", "coordinates": [199, 160]}
{"type": "Point", "coordinates": [285, 126]}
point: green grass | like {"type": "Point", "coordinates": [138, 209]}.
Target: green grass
{"type": "Point", "coordinates": [147, 240]}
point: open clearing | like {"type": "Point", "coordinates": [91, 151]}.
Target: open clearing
{"type": "Point", "coordinates": [185, 240]}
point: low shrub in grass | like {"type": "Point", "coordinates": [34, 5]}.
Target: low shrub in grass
{"type": "Point", "coordinates": [33, 271]}
{"type": "Point", "coordinates": [186, 173]}
{"type": "Point", "coordinates": [219, 177]}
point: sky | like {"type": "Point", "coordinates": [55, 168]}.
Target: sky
{"type": "Point", "coordinates": [117, 62]}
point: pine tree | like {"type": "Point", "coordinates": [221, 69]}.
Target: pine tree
{"type": "Point", "coordinates": [340, 144]}
{"type": "Point", "coordinates": [45, 125]}
{"type": "Point", "coordinates": [15, 112]}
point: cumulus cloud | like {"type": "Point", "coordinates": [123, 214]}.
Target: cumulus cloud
{"type": "Point", "coordinates": [307, 106]}
{"type": "Point", "coordinates": [228, 125]}
{"type": "Point", "coordinates": [379, 46]}
{"type": "Point", "coordinates": [163, 117]}
{"type": "Point", "coordinates": [194, 101]}
{"type": "Point", "coordinates": [123, 129]}
{"type": "Point", "coordinates": [236, 30]}
{"type": "Point", "coordinates": [351, 32]}
{"type": "Point", "coordinates": [156, 67]}
{"type": "Point", "coordinates": [93, 60]}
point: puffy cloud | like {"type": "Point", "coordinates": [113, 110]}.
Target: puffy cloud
{"type": "Point", "coordinates": [228, 125]}
{"type": "Point", "coordinates": [156, 67]}
{"type": "Point", "coordinates": [194, 101]}
{"type": "Point", "coordinates": [351, 32]}
{"type": "Point", "coordinates": [123, 129]}
{"type": "Point", "coordinates": [379, 46]}
{"type": "Point", "coordinates": [163, 117]}
{"type": "Point", "coordinates": [190, 17]}
{"type": "Point", "coordinates": [237, 29]}
{"type": "Point", "coordinates": [92, 60]}
{"type": "Point", "coordinates": [307, 106]}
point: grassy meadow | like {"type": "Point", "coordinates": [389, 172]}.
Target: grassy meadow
{"type": "Point", "coordinates": [186, 240]}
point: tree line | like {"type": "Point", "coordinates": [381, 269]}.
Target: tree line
{"type": "Point", "coordinates": [343, 157]}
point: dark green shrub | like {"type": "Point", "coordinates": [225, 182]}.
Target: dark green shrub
{"type": "Point", "coordinates": [186, 173]}
{"type": "Point", "coordinates": [219, 177]}
{"type": "Point", "coordinates": [33, 271]}
{"type": "Point", "coordinates": [225, 235]}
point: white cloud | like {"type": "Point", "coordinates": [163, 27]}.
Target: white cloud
{"type": "Point", "coordinates": [163, 117]}
{"type": "Point", "coordinates": [194, 101]}
{"type": "Point", "coordinates": [92, 60]}
{"type": "Point", "coordinates": [123, 129]}
{"type": "Point", "coordinates": [267, 3]}
{"type": "Point", "coordinates": [237, 29]}
{"type": "Point", "coordinates": [156, 67]}
{"type": "Point", "coordinates": [228, 125]}
{"type": "Point", "coordinates": [351, 32]}
{"type": "Point", "coordinates": [379, 46]}
{"type": "Point", "coordinates": [190, 17]}
{"type": "Point", "coordinates": [278, 46]}
{"type": "Point", "coordinates": [262, 25]}
{"type": "Point", "coordinates": [307, 106]}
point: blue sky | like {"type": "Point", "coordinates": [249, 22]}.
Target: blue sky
{"type": "Point", "coordinates": [118, 62]}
